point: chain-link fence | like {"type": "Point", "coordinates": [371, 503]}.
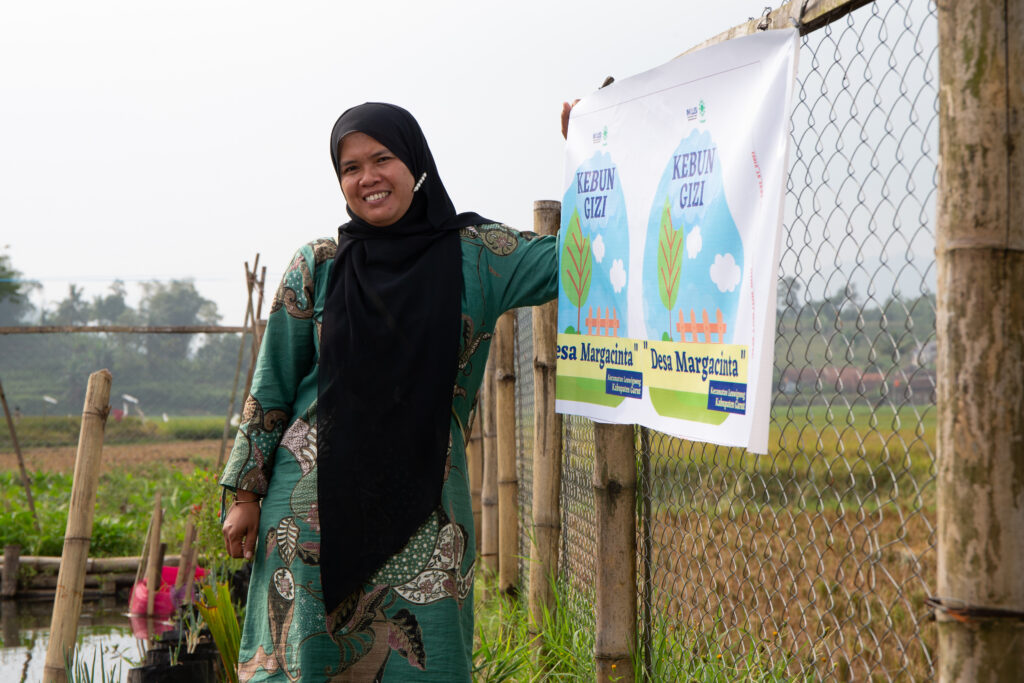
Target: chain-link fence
{"type": "Point", "coordinates": [814, 560]}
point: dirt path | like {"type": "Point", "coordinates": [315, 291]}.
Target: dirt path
{"type": "Point", "coordinates": [183, 454]}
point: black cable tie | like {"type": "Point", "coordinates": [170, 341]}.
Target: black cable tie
{"type": "Point", "coordinates": [958, 610]}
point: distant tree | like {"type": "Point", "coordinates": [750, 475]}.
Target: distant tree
{"type": "Point", "coordinates": [14, 293]}
{"type": "Point", "coordinates": [72, 310]}
{"type": "Point", "coordinates": [173, 303]}
{"type": "Point", "coordinates": [112, 308]}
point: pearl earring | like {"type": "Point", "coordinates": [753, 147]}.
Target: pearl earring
{"type": "Point", "coordinates": [419, 182]}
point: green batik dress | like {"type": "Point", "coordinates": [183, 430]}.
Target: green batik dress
{"type": "Point", "coordinates": [413, 620]}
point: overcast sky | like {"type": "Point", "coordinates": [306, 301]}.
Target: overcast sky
{"type": "Point", "coordinates": [157, 140]}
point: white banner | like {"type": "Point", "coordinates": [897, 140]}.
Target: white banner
{"type": "Point", "coordinates": [669, 243]}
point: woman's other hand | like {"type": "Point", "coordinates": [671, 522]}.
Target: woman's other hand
{"type": "Point", "coordinates": [566, 108]}
{"type": "Point", "coordinates": [241, 525]}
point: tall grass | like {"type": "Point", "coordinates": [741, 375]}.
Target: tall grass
{"type": "Point", "coordinates": [562, 651]}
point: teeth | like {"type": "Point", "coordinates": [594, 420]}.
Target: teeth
{"type": "Point", "coordinates": [376, 196]}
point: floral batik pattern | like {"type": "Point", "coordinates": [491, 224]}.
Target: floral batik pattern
{"type": "Point", "coordinates": [413, 619]}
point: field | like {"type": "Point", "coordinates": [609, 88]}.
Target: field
{"type": "Point", "coordinates": [183, 455]}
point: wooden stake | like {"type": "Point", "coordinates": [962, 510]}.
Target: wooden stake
{"type": "Point", "coordinates": [547, 443]}
{"type": "Point", "coordinates": [67, 605]}
{"type": "Point", "coordinates": [249, 282]}
{"type": "Point", "coordinates": [186, 553]}
{"type": "Point", "coordinates": [475, 464]}
{"type": "Point", "coordinates": [615, 509]}
{"type": "Point", "coordinates": [508, 481]}
{"type": "Point", "coordinates": [154, 561]}
{"type": "Point", "coordinates": [25, 482]}
{"type": "Point", "coordinates": [980, 335]}
{"type": "Point", "coordinates": [489, 487]}
{"type": "Point", "coordinates": [9, 585]}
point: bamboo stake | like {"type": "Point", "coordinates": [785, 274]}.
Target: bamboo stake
{"type": "Point", "coordinates": [153, 559]}
{"type": "Point", "coordinates": [21, 460]}
{"type": "Point", "coordinates": [475, 464]}
{"type": "Point", "coordinates": [508, 481]}
{"type": "Point", "coordinates": [9, 584]}
{"type": "Point", "coordinates": [615, 509]}
{"type": "Point", "coordinates": [186, 552]}
{"type": "Point", "coordinates": [238, 370]}
{"type": "Point", "coordinates": [67, 605]}
{"type": "Point", "coordinates": [254, 329]}
{"type": "Point", "coordinates": [489, 487]}
{"type": "Point", "coordinates": [980, 334]}
{"type": "Point", "coordinates": [547, 443]}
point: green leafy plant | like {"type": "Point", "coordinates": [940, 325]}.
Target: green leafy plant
{"type": "Point", "coordinates": [670, 261]}
{"type": "Point", "coordinates": [77, 670]}
{"type": "Point", "coordinates": [577, 266]}
{"type": "Point", "coordinates": [221, 618]}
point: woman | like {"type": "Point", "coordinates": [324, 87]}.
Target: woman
{"type": "Point", "coordinates": [350, 461]}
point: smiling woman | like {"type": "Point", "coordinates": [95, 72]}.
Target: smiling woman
{"type": "Point", "coordinates": [353, 439]}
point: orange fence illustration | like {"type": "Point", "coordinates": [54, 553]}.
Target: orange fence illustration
{"type": "Point", "coordinates": [606, 326]}
{"type": "Point", "coordinates": [705, 327]}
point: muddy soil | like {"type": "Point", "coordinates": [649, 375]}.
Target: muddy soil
{"type": "Point", "coordinates": [186, 455]}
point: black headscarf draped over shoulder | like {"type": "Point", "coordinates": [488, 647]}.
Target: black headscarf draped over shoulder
{"type": "Point", "coordinates": [388, 361]}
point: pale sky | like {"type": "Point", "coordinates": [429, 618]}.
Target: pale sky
{"type": "Point", "coordinates": [164, 140]}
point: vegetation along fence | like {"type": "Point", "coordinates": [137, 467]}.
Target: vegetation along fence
{"type": "Point", "coordinates": [815, 560]}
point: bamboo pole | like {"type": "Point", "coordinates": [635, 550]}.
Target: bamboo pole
{"type": "Point", "coordinates": [93, 565]}
{"type": "Point", "coordinates": [153, 559]}
{"type": "Point", "coordinates": [131, 329]}
{"type": "Point", "coordinates": [186, 552]}
{"type": "Point", "coordinates": [508, 480]}
{"type": "Point", "coordinates": [9, 584]}
{"type": "Point", "coordinates": [980, 334]}
{"type": "Point", "coordinates": [21, 460]}
{"type": "Point", "coordinates": [67, 605]}
{"type": "Point", "coordinates": [547, 443]}
{"type": "Point", "coordinates": [238, 370]}
{"type": "Point", "coordinates": [489, 486]}
{"type": "Point", "coordinates": [475, 464]}
{"type": "Point", "coordinates": [615, 509]}
{"type": "Point", "coordinates": [255, 329]}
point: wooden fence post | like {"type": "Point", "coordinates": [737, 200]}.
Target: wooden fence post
{"type": "Point", "coordinates": [547, 443]}
{"type": "Point", "coordinates": [489, 487]}
{"type": "Point", "coordinates": [67, 604]}
{"type": "Point", "coordinates": [12, 565]}
{"type": "Point", "coordinates": [980, 334]}
{"type": "Point", "coordinates": [508, 481]}
{"type": "Point", "coordinates": [475, 464]}
{"type": "Point", "coordinates": [615, 509]}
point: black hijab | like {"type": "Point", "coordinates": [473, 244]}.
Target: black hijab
{"type": "Point", "coordinates": [388, 360]}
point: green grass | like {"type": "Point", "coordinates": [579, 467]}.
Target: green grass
{"type": "Point", "coordinates": [562, 650]}
{"type": "Point", "coordinates": [63, 431]}
{"type": "Point", "coordinates": [124, 504]}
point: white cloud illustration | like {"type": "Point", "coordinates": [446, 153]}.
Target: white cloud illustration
{"type": "Point", "coordinates": [617, 275]}
{"type": "Point", "coordinates": [598, 248]}
{"type": "Point", "coordinates": [693, 242]}
{"type": "Point", "coordinates": [725, 273]}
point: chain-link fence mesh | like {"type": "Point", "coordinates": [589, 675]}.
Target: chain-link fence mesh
{"type": "Point", "coordinates": [814, 560]}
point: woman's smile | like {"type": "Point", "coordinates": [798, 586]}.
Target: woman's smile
{"type": "Point", "coordinates": [377, 185]}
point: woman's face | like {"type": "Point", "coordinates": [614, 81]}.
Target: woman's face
{"type": "Point", "coordinates": [376, 184]}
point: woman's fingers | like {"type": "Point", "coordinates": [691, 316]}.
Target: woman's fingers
{"type": "Point", "coordinates": [566, 108]}
{"type": "Point", "coordinates": [239, 530]}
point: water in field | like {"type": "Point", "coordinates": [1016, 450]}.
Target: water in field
{"type": "Point", "coordinates": [103, 628]}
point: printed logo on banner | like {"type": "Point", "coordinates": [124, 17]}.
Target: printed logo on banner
{"type": "Point", "coordinates": [691, 113]}
{"type": "Point", "coordinates": [702, 110]}
{"type": "Point", "coordinates": [600, 137]}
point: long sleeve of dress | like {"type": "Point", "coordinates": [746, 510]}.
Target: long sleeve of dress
{"type": "Point", "coordinates": [286, 365]}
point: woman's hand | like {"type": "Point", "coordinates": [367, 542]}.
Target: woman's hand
{"type": "Point", "coordinates": [241, 525]}
{"type": "Point", "coordinates": [566, 108]}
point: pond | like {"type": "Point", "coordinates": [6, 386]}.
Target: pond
{"type": "Point", "coordinates": [103, 627]}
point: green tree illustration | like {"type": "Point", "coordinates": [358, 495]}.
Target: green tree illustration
{"type": "Point", "coordinates": [670, 261]}
{"type": "Point", "coordinates": [576, 265]}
